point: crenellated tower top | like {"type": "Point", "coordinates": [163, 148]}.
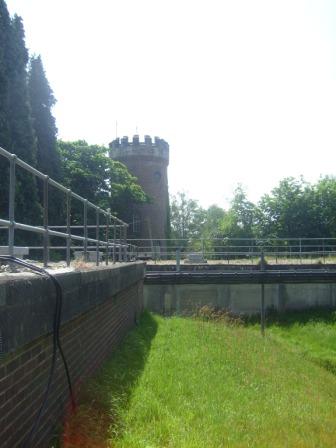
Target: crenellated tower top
{"type": "Point", "coordinates": [121, 148]}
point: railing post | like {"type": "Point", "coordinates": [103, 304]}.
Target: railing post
{"type": "Point", "coordinates": [262, 310]}
{"type": "Point", "coordinates": [85, 231]}
{"type": "Point", "coordinates": [45, 221]}
{"type": "Point", "coordinates": [125, 243]}
{"type": "Point", "coordinates": [68, 224]}
{"type": "Point", "coordinates": [323, 248]}
{"type": "Point", "coordinates": [11, 210]}
{"type": "Point", "coordinates": [114, 241]}
{"type": "Point", "coordinates": [119, 244]}
{"type": "Point", "coordinates": [178, 259]}
{"type": "Point", "coordinates": [97, 237]}
{"type": "Point", "coordinates": [107, 237]}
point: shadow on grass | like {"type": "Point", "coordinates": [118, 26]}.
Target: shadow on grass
{"type": "Point", "coordinates": [103, 399]}
{"type": "Point", "coordinates": [301, 317]}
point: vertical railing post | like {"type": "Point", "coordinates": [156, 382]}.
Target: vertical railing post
{"type": "Point", "coordinates": [262, 304]}
{"type": "Point", "coordinates": [323, 248]}
{"type": "Point", "coordinates": [114, 241]}
{"type": "Point", "coordinates": [119, 243]}
{"type": "Point", "coordinates": [85, 231]}
{"type": "Point", "coordinates": [45, 220]}
{"type": "Point", "coordinates": [122, 243]}
{"type": "Point", "coordinates": [107, 237]}
{"type": "Point", "coordinates": [11, 210]}
{"type": "Point", "coordinates": [97, 237]}
{"type": "Point", "coordinates": [68, 224]}
{"type": "Point", "coordinates": [125, 242]}
{"type": "Point", "coordinates": [178, 259]}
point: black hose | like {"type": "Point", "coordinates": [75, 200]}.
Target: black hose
{"type": "Point", "coordinates": [56, 343]}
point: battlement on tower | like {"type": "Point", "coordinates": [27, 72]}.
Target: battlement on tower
{"type": "Point", "coordinates": [121, 148]}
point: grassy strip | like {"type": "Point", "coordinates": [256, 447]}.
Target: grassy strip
{"type": "Point", "coordinates": [311, 333]}
{"type": "Point", "coordinates": [200, 383]}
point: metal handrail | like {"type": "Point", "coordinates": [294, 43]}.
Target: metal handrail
{"type": "Point", "coordinates": [46, 230]}
{"type": "Point", "coordinates": [228, 249]}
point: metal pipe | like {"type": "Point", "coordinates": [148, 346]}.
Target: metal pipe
{"type": "Point", "coordinates": [68, 227]}
{"type": "Point", "coordinates": [45, 222]}
{"type": "Point", "coordinates": [97, 237]}
{"type": "Point", "coordinates": [262, 304]}
{"type": "Point", "coordinates": [125, 242]}
{"type": "Point", "coordinates": [11, 210]}
{"type": "Point", "coordinates": [107, 238]}
{"type": "Point", "coordinates": [45, 230]}
{"type": "Point", "coordinates": [114, 242]}
{"type": "Point", "coordinates": [119, 247]}
{"type": "Point", "coordinates": [91, 226]}
{"type": "Point", "coordinates": [85, 231]}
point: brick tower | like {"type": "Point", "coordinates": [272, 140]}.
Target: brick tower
{"type": "Point", "coordinates": [148, 161]}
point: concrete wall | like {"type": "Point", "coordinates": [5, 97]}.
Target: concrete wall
{"type": "Point", "coordinates": [240, 299]}
{"type": "Point", "coordinates": [100, 306]}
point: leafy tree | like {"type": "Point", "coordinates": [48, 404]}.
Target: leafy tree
{"type": "Point", "coordinates": [89, 172]}
{"type": "Point", "coordinates": [214, 216]}
{"type": "Point", "coordinates": [186, 217]}
{"type": "Point", "coordinates": [323, 206]}
{"type": "Point", "coordinates": [289, 210]}
{"type": "Point", "coordinates": [239, 221]}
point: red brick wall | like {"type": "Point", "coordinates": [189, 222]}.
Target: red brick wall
{"type": "Point", "coordinates": [87, 340]}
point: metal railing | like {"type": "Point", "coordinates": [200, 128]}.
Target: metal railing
{"type": "Point", "coordinates": [241, 250]}
{"type": "Point", "coordinates": [115, 246]}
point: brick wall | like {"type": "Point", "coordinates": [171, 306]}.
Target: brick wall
{"type": "Point", "coordinates": [87, 339]}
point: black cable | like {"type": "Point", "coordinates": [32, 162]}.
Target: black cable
{"type": "Point", "coordinates": [56, 342]}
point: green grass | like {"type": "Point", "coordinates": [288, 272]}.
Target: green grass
{"type": "Point", "coordinates": [311, 333]}
{"type": "Point", "coordinates": [182, 383]}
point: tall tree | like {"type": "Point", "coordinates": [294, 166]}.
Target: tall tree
{"type": "Point", "coordinates": [187, 217]}
{"type": "Point", "coordinates": [5, 35]}
{"type": "Point", "coordinates": [239, 221]}
{"type": "Point", "coordinates": [213, 218]}
{"type": "Point", "coordinates": [48, 158]}
{"type": "Point", "coordinates": [289, 210]}
{"type": "Point", "coordinates": [42, 101]}
{"type": "Point", "coordinates": [22, 136]}
{"type": "Point", "coordinates": [323, 207]}
{"type": "Point", "coordinates": [16, 130]}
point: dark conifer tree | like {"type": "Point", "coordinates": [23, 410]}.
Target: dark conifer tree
{"type": "Point", "coordinates": [48, 159]}
{"type": "Point", "coordinates": [22, 136]}
{"type": "Point", "coordinates": [42, 100]}
{"type": "Point", "coordinates": [5, 33]}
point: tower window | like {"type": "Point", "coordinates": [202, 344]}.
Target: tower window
{"type": "Point", "coordinates": [157, 176]}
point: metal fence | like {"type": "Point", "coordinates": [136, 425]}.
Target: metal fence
{"type": "Point", "coordinates": [240, 250]}
{"type": "Point", "coordinates": [110, 233]}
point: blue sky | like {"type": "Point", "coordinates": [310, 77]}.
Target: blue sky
{"type": "Point", "coordinates": [243, 91]}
